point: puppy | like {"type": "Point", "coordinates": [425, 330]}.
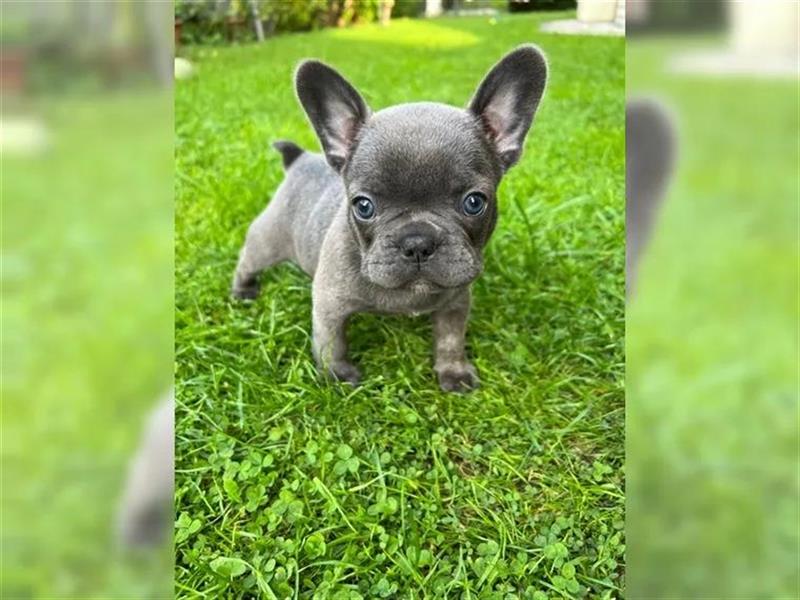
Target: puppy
{"type": "Point", "coordinates": [395, 217]}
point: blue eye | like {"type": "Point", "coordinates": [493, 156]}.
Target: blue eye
{"type": "Point", "coordinates": [363, 207]}
{"type": "Point", "coordinates": [474, 204]}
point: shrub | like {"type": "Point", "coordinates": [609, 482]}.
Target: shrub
{"type": "Point", "coordinates": [408, 8]}
{"type": "Point", "coordinates": [205, 21]}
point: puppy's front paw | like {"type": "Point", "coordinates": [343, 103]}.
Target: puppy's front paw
{"type": "Point", "coordinates": [459, 377]}
{"type": "Point", "coordinates": [247, 290]}
{"type": "Point", "coordinates": [346, 372]}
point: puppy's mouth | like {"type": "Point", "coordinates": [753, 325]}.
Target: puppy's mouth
{"type": "Point", "coordinates": [422, 285]}
{"type": "Point", "coordinates": [415, 278]}
{"type": "Point", "coordinates": [417, 281]}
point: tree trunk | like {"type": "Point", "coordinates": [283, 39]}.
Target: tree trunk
{"type": "Point", "coordinates": [341, 19]}
{"type": "Point", "coordinates": [433, 8]}
{"type": "Point", "coordinates": [385, 11]}
{"type": "Point", "coordinates": [257, 21]}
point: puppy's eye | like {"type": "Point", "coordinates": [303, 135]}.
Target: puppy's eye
{"type": "Point", "coordinates": [474, 204]}
{"type": "Point", "coordinates": [363, 207]}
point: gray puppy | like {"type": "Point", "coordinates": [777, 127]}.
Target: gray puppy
{"type": "Point", "coordinates": [395, 217]}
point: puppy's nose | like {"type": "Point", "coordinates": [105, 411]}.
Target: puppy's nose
{"type": "Point", "coordinates": [417, 247]}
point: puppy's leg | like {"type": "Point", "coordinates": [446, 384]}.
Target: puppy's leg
{"type": "Point", "coordinates": [330, 341]}
{"type": "Point", "coordinates": [454, 371]}
{"type": "Point", "coordinates": [266, 245]}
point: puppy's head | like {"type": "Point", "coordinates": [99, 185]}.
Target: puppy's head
{"type": "Point", "coordinates": [421, 179]}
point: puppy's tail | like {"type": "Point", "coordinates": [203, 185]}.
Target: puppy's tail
{"type": "Point", "coordinates": [289, 151]}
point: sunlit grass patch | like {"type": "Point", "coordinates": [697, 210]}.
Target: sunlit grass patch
{"type": "Point", "coordinates": [406, 32]}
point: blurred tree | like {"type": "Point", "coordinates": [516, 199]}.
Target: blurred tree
{"type": "Point", "coordinates": [683, 15]}
{"type": "Point", "coordinates": [385, 11]}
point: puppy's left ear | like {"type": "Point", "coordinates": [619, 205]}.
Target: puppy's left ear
{"type": "Point", "coordinates": [507, 99]}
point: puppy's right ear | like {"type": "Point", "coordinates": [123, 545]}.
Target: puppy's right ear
{"type": "Point", "coordinates": [334, 107]}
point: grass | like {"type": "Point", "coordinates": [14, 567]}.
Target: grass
{"type": "Point", "coordinates": [287, 486]}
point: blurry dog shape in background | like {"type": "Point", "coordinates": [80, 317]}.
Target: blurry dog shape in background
{"type": "Point", "coordinates": [650, 148]}
{"type": "Point", "coordinates": [146, 514]}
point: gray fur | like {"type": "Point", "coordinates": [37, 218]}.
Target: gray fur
{"type": "Point", "coordinates": [650, 153]}
{"type": "Point", "coordinates": [416, 163]}
{"type": "Point", "coordinates": [146, 514]}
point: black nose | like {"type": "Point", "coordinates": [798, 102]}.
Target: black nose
{"type": "Point", "coordinates": [417, 247]}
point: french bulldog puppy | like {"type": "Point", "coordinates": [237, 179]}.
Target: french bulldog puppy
{"type": "Point", "coordinates": [394, 218]}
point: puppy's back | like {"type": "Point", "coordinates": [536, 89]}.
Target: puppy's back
{"type": "Point", "coordinates": [289, 151]}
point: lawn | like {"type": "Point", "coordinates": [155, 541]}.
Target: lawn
{"type": "Point", "coordinates": [288, 486]}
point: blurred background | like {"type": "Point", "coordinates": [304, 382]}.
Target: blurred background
{"type": "Point", "coordinates": [227, 21]}
{"type": "Point", "coordinates": [86, 134]}
{"type": "Point", "coordinates": [712, 325]}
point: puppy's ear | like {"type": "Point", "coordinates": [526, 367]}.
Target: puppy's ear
{"type": "Point", "coordinates": [507, 99]}
{"type": "Point", "coordinates": [650, 154]}
{"type": "Point", "coordinates": [334, 107]}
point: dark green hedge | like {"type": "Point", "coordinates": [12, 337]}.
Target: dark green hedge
{"type": "Point", "coordinates": [205, 21]}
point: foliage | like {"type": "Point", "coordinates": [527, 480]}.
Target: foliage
{"type": "Point", "coordinates": [203, 21]}
{"type": "Point", "coordinates": [408, 8]}
{"type": "Point", "coordinates": [685, 16]}
{"type": "Point", "coordinates": [288, 486]}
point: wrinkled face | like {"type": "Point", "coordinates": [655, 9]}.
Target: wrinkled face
{"type": "Point", "coordinates": [421, 185]}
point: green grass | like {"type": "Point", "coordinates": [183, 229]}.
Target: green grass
{"type": "Point", "coordinates": [288, 486]}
